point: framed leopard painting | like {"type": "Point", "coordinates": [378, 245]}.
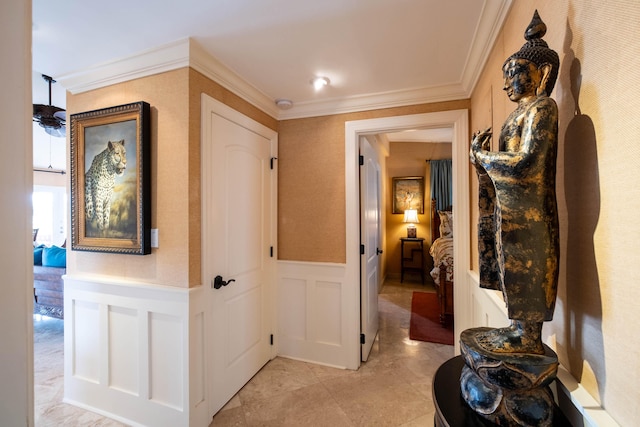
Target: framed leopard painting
{"type": "Point", "coordinates": [110, 173]}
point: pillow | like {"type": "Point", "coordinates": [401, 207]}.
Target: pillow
{"type": "Point", "coordinates": [55, 256]}
{"type": "Point", "coordinates": [37, 255]}
{"type": "Point", "coordinates": [446, 223]}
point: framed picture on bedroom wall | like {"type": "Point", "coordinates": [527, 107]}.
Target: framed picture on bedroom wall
{"type": "Point", "coordinates": [408, 193]}
{"type": "Point", "coordinates": [110, 180]}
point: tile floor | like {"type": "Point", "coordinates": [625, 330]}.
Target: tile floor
{"type": "Point", "coordinates": [393, 388]}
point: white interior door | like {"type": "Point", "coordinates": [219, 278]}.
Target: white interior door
{"type": "Point", "coordinates": [238, 232]}
{"type": "Point", "coordinates": [370, 239]}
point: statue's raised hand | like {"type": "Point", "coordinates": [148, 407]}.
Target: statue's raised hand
{"type": "Point", "coordinates": [481, 141]}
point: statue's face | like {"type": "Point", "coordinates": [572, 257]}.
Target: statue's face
{"type": "Point", "coordinates": [521, 79]}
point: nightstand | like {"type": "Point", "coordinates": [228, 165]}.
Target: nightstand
{"type": "Point", "coordinates": [413, 261]}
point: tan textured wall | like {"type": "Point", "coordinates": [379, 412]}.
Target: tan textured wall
{"type": "Point", "coordinates": [167, 95]}
{"type": "Point", "coordinates": [311, 192]}
{"type": "Point", "coordinates": [175, 174]}
{"type": "Point", "coordinates": [598, 170]}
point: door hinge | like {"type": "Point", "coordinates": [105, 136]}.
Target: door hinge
{"type": "Point", "coordinates": [271, 251]}
{"type": "Point", "coordinates": [361, 160]}
{"type": "Point", "coordinates": [361, 249]}
{"type": "Point", "coordinates": [271, 339]}
{"type": "Point", "coordinates": [271, 162]}
{"type": "Point", "coordinates": [362, 339]}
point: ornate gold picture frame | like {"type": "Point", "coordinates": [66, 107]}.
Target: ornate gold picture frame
{"type": "Point", "coordinates": [110, 180]}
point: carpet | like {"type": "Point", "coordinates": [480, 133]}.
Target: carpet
{"type": "Point", "coordinates": [425, 320]}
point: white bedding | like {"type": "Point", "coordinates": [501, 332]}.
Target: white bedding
{"type": "Point", "coordinates": [442, 252]}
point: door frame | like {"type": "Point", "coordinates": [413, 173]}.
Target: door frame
{"type": "Point", "coordinates": [458, 120]}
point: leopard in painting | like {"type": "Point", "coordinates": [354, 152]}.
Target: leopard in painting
{"type": "Point", "coordinates": [100, 180]}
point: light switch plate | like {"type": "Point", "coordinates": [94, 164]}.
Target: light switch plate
{"type": "Point", "coordinates": [154, 237]}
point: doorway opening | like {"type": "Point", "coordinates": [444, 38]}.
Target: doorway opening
{"type": "Point", "coordinates": [459, 122]}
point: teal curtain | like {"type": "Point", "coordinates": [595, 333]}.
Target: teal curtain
{"type": "Point", "coordinates": [441, 187]}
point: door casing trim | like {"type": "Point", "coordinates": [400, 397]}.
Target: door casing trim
{"type": "Point", "coordinates": [458, 120]}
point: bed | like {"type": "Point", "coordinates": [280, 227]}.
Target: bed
{"type": "Point", "coordinates": [442, 253]}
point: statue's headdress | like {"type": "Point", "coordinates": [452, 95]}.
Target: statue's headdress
{"type": "Point", "coordinates": [537, 51]}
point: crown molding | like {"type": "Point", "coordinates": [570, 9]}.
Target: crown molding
{"type": "Point", "coordinates": [492, 19]}
{"type": "Point", "coordinates": [215, 70]}
{"type": "Point", "coordinates": [188, 53]}
{"type": "Point", "coordinates": [375, 101]}
{"type": "Point", "coordinates": [178, 54]}
{"type": "Point", "coordinates": [153, 61]}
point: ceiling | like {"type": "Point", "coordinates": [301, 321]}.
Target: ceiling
{"type": "Point", "coordinates": [376, 53]}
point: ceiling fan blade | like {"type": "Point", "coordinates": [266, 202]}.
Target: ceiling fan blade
{"type": "Point", "coordinates": [60, 115]}
{"type": "Point", "coordinates": [57, 132]}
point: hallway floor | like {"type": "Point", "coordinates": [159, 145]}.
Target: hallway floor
{"type": "Point", "coordinates": [393, 388]}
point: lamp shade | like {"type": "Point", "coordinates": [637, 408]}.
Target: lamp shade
{"type": "Point", "coordinates": [411, 216]}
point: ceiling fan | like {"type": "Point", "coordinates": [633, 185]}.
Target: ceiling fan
{"type": "Point", "coordinates": [53, 119]}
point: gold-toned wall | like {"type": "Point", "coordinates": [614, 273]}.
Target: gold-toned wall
{"type": "Point", "coordinates": [598, 95]}
{"type": "Point", "coordinates": [311, 182]}
{"type": "Point", "coordinates": [175, 174]}
{"type": "Point", "coordinates": [167, 95]}
{"type": "Point", "coordinates": [395, 228]}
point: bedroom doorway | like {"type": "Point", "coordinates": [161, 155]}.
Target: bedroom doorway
{"type": "Point", "coordinates": [410, 158]}
{"type": "Point", "coordinates": [457, 120]}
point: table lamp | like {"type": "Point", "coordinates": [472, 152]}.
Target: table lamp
{"type": "Point", "coordinates": [411, 217]}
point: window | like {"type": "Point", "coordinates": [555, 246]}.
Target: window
{"type": "Point", "coordinates": [50, 214]}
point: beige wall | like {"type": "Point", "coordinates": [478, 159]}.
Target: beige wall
{"type": "Point", "coordinates": [167, 95]}
{"type": "Point", "coordinates": [310, 166]}
{"type": "Point", "coordinates": [598, 170]}
{"type": "Point", "coordinates": [311, 182]}
{"type": "Point", "coordinates": [175, 174]}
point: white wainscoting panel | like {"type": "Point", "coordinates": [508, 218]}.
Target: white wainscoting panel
{"type": "Point", "coordinates": [134, 351]}
{"type": "Point", "coordinates": [312, 314]}
{"type": "Point", "coordinates": [85, 351]}
{"type": "Point", "coordinates": [166, 359]}
{"type": "Point", "coordinates": [124, 349]}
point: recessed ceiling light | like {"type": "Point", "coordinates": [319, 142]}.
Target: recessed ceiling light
{"type": "Point", "coordinates": [319, 82]}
